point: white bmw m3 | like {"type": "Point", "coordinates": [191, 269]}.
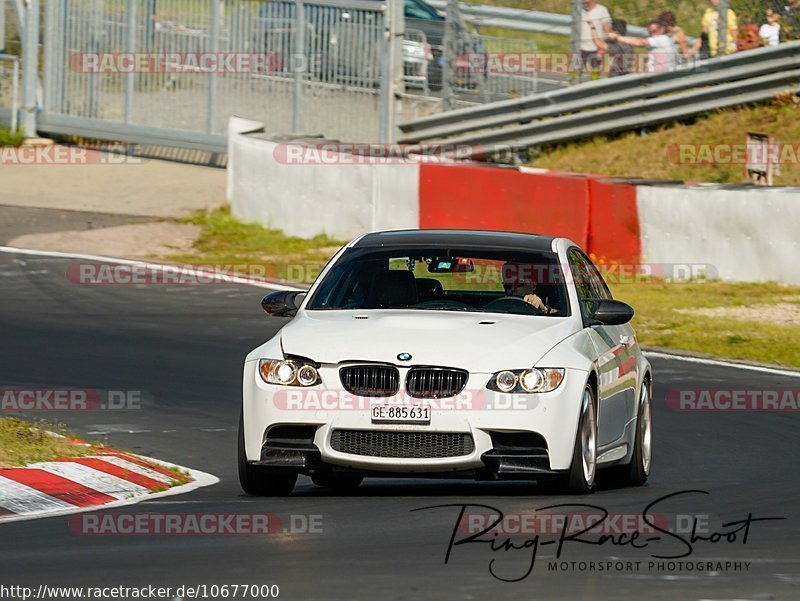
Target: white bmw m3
{"type": "Point", "coordinates": [448, 353]}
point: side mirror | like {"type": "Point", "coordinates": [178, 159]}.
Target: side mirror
{"type": "Point", "coordinates": [610, 312]}
{"type": "Point", "coordinates": [283, 303]}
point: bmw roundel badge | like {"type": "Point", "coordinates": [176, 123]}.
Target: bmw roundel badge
{"type": "Point", "coordinates": [404, 357]}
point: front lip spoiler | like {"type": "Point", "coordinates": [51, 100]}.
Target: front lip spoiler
{"type": "Point", "coordinates": [301, 456]}
{"type": "Point", "coordinates": [518, 463]}
{"type": "Point", "coordinates": [506, 464]}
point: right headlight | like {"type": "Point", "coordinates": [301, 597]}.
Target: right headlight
{"type": "Point", "coordinates": [288, 372]}
{"type": "Point", "coordinates": [537, 379]}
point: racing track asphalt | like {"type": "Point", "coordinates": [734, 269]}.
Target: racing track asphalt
{"type": "Point", "coordinates": [183, 347]}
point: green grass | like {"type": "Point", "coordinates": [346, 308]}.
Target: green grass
{"type": "Point", "coordinates": [22, 443]}
{"type": "Point", "coordinates": [654, 155]}
{"type": "Point", "coordinates": [10, 139]}
{"type": "Point", "coordinates": [226, 241]}
{"type": "Point", "coordinates": [665, 318]}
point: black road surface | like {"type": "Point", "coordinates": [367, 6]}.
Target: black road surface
{"type": "Point", "coordinates": [182, 348]}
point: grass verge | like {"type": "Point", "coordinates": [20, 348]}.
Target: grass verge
{"type": "Point", "coordinates": [8, 138]}
{"type": "Point", "coordinates": [254, 250]}
{"type": "Point", "coordinates": [22, 443]}
{"type": "Point", "coordinates": [658, 155]}
{"type": "Point", "coordinates": [749, 322]}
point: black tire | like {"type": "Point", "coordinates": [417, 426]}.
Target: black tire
{"type": "Point", "coordinates": [636, 471]}
{"type": "Point", "coordinates": [576, 481]}
{"type": "Point", "coordinates": [639, 469]}
{"type": "Point", "coordinates": [338, 482]}
{"type": "Point", "coordinates": [260, 481]}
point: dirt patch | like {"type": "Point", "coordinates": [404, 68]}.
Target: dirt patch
{"type": "Point", "coordinates": [141, 240]}
{"type": "Point", "coordinates": [779, 314]}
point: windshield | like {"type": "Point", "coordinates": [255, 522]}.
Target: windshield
{"type": "Point", "coordinates": [440, 279]}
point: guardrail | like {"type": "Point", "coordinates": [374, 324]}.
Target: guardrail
{"type": "Point", "coordinates": [615, 104]}
{"type": "Point", "coordinates": [533, 21]}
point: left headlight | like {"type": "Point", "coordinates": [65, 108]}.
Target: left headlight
{"type": "Point", "coordinates": [288, 372]}
{"type": "Point", "coordinates": [537, 379]}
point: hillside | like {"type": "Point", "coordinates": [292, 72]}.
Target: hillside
{"type": "Point", "coordinates": [657, 154]}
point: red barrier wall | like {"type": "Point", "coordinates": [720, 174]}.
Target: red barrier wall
{"type": "Point", "coordinates": [613, 222]}
{"type": "Point", "coordinates": [496, 198]}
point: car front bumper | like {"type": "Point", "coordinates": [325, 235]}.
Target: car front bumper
{"type": "Point", "coordinates": [479, 414]}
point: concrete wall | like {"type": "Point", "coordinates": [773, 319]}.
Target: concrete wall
{"type": "Point", "coordinates": [340, 199]}
{"type": "Point", "coordinates": [747, 235]}
{"type": "Point", "coordinates": [739, 233]}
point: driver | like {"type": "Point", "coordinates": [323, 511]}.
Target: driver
{"type": "Point", "coordinates": [519, 280]}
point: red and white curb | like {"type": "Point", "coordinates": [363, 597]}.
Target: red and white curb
{"type": "Point", "coordinates": [107, 479]}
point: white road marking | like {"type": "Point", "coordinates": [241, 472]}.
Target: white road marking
{"type": "Point", "coordinates": [718, 362]}
{"type": "Point", "coordinates": [235, 279]}
{"type": "Point", "coordinates": [94, 479]}
{"type": "Point", "coordinates": [24, 500]}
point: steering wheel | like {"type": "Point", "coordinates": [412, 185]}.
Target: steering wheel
{"type": "Point", "coordinates": [497, 306]}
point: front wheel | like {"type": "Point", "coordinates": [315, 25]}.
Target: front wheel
{"type": "Point", "coordinates": [642, 450]}
{"type": "Point", "coordinates": [260, 481]}
{"type": "Point", "coordinates": [580, 479]}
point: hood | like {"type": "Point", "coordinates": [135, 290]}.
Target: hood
{"type": "Point", "coordinates": [477, 342]}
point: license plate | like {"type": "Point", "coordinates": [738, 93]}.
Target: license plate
{"type": "Point", "coordinates": [401, 414]}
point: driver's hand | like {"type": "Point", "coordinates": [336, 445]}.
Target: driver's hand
{"type": "Point", "coordinates": [536, 302]}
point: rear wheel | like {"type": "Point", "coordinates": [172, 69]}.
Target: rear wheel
{"type": "Point", "coordinates": [260, 481]}
{"type": "Point", "coordinates": [581, 476]}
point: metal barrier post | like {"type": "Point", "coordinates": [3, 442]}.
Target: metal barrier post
{"type": "Point", "coordinates": [130, 46]}
{"type": "Point", "coordinates": [392, 84]}
{"type": "Point", "coordinates": [30, 68]}
{"type": "Point", "coordinates": [575, 38]}
{"type": "Point", "coordinates": [215, 7]}
{"type": "Point", "coordinates": [722, 31]}
{"type": "Point", "coordinates": [298, 65]}
{"type": "Point", "coordinates": [450, 53]}
{"type": "Point", "coordinates": [2, 26]}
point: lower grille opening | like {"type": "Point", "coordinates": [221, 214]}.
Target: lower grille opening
{"type": "Point", "coordinates": [405, 445]}
{"type": "Point", "coordinates": [290, 436]}
{"type": "Point", "coordinates": [515, 441]}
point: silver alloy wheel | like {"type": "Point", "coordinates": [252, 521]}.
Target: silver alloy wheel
{"type": "Point", "coordinates": [588, 434]}
{"type": "Point", "coordinates": [646, 427]}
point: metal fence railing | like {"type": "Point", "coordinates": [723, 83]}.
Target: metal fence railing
{"type": "Point", "coordinates": [615, 104]}
{"type": "Point", "coordinates": [9, 90]}
{"type": "Point", "coordinates": [155, 70]}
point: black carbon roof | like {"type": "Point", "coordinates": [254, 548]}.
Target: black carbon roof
{"type": "Point", "coordinates": [457, 239]}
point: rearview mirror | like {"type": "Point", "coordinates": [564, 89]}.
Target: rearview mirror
{"type": "Point", "coordinates": [283, 303]}
{"type": "Point", "coordinates": [609, 312]}
{"type": "Point", "coordinates": [450, 265]}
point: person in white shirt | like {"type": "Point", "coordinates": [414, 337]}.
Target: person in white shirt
{"type": "Point", "coordinates": [663, 53]}
{"type": "Point", "coordinates": [770, 31]}
{"type": "Point", "coordinates": [597, 15]}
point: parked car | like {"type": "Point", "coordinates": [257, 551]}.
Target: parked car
{"type": "Point", "coordinates": [344, 46]}
{"type": "Point", "coordinates": [487, 355]}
